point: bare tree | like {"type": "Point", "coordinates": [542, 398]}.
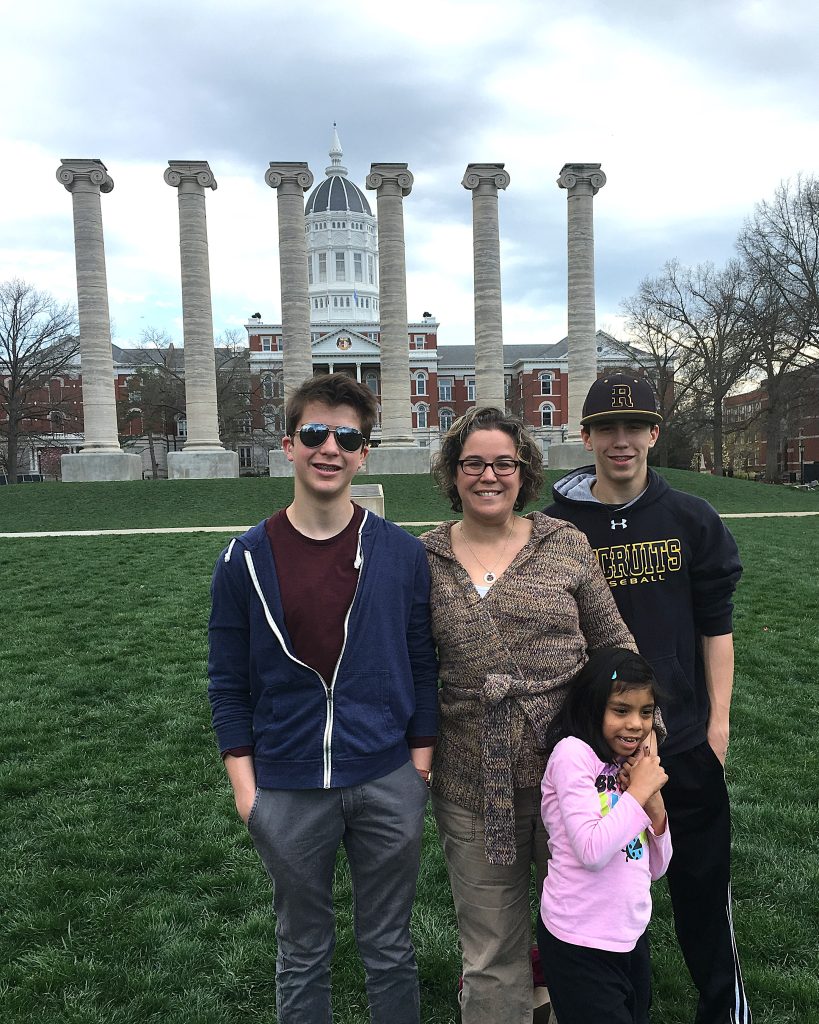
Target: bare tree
{"type": "Point", "coordinates": [701, 312]}
{"type": "Point", "coordinates": [673, 370]}
{"type": "Point", "coordinates": [780, 242]}
{"type": "Point", "coordinates": [779, 246]}
{"type": "Point", "coordinates": [233, 385]}
{"type": "Point", "coordinates": [38, 341]}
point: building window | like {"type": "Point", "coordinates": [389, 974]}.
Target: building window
{"type": "Point", "coordinates": [420, 384]}
{"type": "Point", "coordinates": [545, 383]}
{"type": "Point", "coordinates": [244, 425]}
{"type": "Point", "coordinates": [245, 456]}
{"type": "Point", "coordinates": [340, 271]}
{"type": "Point", "coordinates": [309, 269]}
{"type": "Point", "coordinates": [267, 344]}
{"type": "Point", "coordinates": [445, 418]}
{"type": "Point", "coordinates": [444, 390]}
{"type": "Point", "coordinates": [322, 266]}
{"type": "Point", "coordinates": [470, 391]}
{"type": "Point", "coordinates": [181, 426]}
{"type": "Point", "coordinates": [418, 341]}
{"type": "Point", "coordinates": [358, 269]}
{"type": "Point", "coordinates": [370, 269]}
{"type": "Point", "coordinates": [507, 387]}
{"type": "Point", "coordinates": [267, 386]}
{"type": "Point", "coordinates": [371, 380]}
{"type": "Point", "coordinates": [547, 411]}
{"type": "Point", "coordinates": [421, 416]}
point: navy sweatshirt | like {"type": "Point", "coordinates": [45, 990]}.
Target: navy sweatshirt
{"type": "Point", "coordinates": [673, 568]}
{"type": "Point", "coordinates": [308, 732]}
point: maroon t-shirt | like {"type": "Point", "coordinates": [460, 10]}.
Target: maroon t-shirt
{"type": "Point", "coordinates": [317, 581]}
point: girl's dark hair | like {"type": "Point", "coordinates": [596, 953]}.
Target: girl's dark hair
{"type": "Point", "coordinates": [608, 670]}
{"type": "Point", "coordinates": [527, 451]}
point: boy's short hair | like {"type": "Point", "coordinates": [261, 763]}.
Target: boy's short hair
{"type": "Point", "coordinates": [333, 389]}
{"type": "Point", "coordinates": [620, 396]}
{"type": "Point", "coordinates": [445, 465]}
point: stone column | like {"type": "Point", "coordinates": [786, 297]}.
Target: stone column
{"type": "Point", "coordinates": [291, 180]}
{"type": "Point", "coordinates": [397, 452]}
{"type": "Point", "coordinates": [484, 180]}
{"type": "Point", "coordinates": [582, 182]}
{"type": "Point", "coordinates": [203, 455]}
{"type": "Point", "coordinates": [101, 457]}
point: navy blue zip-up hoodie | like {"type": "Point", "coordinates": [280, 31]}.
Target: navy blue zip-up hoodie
{"type": "Point", "coordinates": [307, 732]}
{"type": "Point", "coordinates": [673, 568]}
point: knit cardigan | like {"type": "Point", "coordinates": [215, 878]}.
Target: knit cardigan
{"type": "Point", "coordinates": [528, 636]}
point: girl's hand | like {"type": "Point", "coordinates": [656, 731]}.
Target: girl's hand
{"type": "Point", "coordinates": [624, 775]}
{"type": "Point", "coordinates": [647, 778]}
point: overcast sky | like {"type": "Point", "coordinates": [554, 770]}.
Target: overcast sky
{"type": "Point", "coordinates": [695, 110]}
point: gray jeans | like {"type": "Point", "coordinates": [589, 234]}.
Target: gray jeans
{"type": "Point", "coordinates": [297, 834]}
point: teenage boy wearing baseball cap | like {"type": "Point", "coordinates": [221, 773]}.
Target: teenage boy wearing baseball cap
{"type": "Point", "coordinates": [673, 568]}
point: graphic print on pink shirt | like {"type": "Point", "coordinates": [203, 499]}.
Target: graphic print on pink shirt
{"type": "Point", "coordinates": [608, 787]}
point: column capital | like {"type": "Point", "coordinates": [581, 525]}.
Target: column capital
{"type": "Point", "coordinates": [297, 175]}
{"type": "Point", "coordinates": [485, 174]}
{"type": "Point", "coordinates": [581, 179]}
{"type": "Point", "coordinates": [189, 172]}
{"type": "Point", "coordinates": [92, 172]}
{"type": "Point", "coordinates": [395, 176]}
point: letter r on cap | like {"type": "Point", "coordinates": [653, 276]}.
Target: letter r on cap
{"type": "Point", "coordinates": [621, 396]}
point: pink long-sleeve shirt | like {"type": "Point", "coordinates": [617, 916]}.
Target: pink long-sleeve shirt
{"type": "Point", "coordinates": [605, 854]}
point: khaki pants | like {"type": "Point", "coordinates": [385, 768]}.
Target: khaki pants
{"type": "Point", "coordinates": [494, 909]}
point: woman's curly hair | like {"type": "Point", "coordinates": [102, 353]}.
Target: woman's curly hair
{"type": "Point", "coordinates": [527, 451]}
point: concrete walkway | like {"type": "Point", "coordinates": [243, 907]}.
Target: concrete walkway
{"type": "Point", "coordinates": [241, 529]}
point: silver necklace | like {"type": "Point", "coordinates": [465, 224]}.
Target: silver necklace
{"type": "Point", "coordinates": [489, 576]}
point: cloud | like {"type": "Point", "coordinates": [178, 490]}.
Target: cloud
{"type": "Point", "coordinates": [695, 112]}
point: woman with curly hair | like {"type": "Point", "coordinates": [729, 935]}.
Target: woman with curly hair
{"type": "Point", "coordinates": [517, 602]}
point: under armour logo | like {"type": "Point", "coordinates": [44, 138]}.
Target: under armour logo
{"type": "Point", "coordinates": [622, 524]}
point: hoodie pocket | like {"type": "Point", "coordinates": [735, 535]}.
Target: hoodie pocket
{"type": "Point", "coordinates": [371, 713]}
{"type": "Point", "coordinates": [676, 687]}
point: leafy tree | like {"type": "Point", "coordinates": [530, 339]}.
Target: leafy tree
{"type": "Point", "coordinates": [38, 342]}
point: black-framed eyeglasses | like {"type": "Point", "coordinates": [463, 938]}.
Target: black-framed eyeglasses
{"type": "Point", "coordinates": [477, 467]}
{"type": "Point", "coordinates": [312, 435]}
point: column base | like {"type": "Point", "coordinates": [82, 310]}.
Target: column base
{"type": "Point", "coordinates": [278, 463]}
{"type": "Point", "coordinates": [389, 461]}
{"type": "Point", "coordinates": [369, 496]}
{"type": "Point", "coordinates": [202, 465]}
{"type": "Point", "coordinates": [94, 467]}
{"type": "Point", "coordinates": [567, 455]}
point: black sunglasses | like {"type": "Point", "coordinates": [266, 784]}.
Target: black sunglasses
{"type": "Point", "coordinates": [312, 435]}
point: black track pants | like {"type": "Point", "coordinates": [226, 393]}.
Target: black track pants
{"type": "Point", "coordinates": [699, 881]}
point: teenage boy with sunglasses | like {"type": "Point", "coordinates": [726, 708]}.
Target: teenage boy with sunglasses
{"type": "Point", "coordinates": [323, 688]}
{"type": "Point", "coordinates": [673, 567]}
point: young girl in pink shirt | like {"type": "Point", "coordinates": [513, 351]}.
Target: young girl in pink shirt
{"type": "Point", "coordinates": [607, 842]}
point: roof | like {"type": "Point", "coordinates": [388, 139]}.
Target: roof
{"type": "Point", "coordinates": [337, 194]}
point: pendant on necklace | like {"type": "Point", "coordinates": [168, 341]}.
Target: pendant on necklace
{"type": "Point", "coordinates": [489, 577]}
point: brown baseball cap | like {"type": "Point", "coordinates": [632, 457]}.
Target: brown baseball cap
{"type": "Point", "coordinates": [619, 396]}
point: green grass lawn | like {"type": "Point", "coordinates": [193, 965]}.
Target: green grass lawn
{"type": "Point", "coordinates": [53, 506]}
{"type": "Point", "coordinates": [130, 890]}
